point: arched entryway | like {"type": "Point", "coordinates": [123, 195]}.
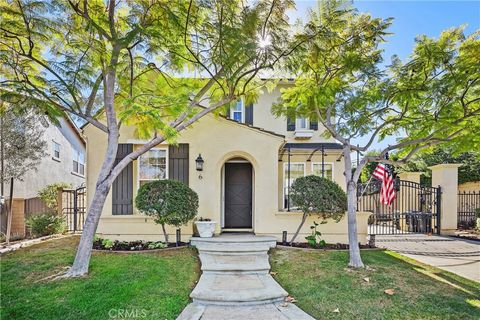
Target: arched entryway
{"type": "Point", "coordinates": [237, 197]}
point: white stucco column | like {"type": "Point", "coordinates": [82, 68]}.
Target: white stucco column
{"type": "Point", "coordinates": [446, 176]}
{"type": "Point", "coordinates": [410, 176]}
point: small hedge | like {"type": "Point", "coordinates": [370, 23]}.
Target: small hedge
{"type": "Point", "coordinates": [170, 202]}
{"type": "Point", "coordinates": [320, 196]}
{"type": "Point", "coordinates": [45, 224]}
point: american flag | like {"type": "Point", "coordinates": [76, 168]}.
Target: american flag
{"type": "Point", "coordinates": [387, 192]}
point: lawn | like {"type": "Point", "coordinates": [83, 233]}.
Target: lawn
{"type": "Point", "coordinates": [321, 283]}
{"type": "Point", "coordinates": [156, 285]}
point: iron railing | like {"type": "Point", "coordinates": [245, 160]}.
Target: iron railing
{"type": "Point", "coordinates": [468, 202]}
{"type": "Point", "coordinates": [416, 208]}
{"type": "Point", "coordinates": [74, 208]}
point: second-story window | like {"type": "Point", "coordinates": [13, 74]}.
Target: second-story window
{"type": "Point", "coordinates": [78, 162]}
{"type": "Point", "coordinates": [301, 123]}
{"type": "Point", "coordinates": [237, 112]}
{"type": "Point", "coordinates": [56, 150]}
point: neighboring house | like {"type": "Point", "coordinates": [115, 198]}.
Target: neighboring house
{"type": "Point", "coordinates": [250, 159]}
{"type": "Point", "coordinates": [64, 161]}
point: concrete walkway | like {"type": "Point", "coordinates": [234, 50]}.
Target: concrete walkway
{"type": "Point", "coordinates": [458, 256]}
{"type": "Point", "coordinates": [236, 283]}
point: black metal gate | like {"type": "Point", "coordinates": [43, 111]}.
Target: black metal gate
{"type": "Point", "coordinates": [74, 208]}
{"type": "Point", "coordinates": [416, 208]}
{"type": "Point", "coordinates": [468, 203]}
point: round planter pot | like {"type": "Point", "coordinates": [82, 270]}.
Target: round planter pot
{"type": "Point", "coordinates": [205, 228]}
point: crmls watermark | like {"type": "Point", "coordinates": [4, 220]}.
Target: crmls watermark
{"type": "Point", "coordinates": [127, 313]}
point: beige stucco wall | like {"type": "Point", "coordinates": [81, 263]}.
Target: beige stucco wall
{"type": "Point", "coordinates": [219, 140]}
{"type": "Point", "coordinates": [263, 118]}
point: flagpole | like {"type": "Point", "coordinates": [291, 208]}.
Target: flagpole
{"type": "Point", "coordinates": [368, 182]}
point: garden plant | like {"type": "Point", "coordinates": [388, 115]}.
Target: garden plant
{"type": "Point", "coordinates": [169, 202]}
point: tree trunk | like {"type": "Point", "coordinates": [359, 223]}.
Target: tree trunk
{"type": "Point", "coordinates": [165, 233]}
{"type": "Point", "coordinates": [105, 178]}
{"type": "Point", "coordinates": [354, 249]}
{"type": "Point", "coordinates": [84, 250]}
{"type": "Point", "coordinates": [304, 218]}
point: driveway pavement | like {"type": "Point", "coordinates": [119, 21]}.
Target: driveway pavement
{"type": "Point", "coordinates": [451, 254]}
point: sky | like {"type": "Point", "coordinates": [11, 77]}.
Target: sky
{"type": "Point", "coordinates": [411, 18]}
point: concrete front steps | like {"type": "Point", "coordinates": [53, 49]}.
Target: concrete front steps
{"type": "Point", "coordinates": [235, 280]}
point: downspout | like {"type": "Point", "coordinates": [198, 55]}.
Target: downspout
{"type": "Point", "coordinates": [323, 161]}
{"type": "Point", "coordinates": [288, 181]}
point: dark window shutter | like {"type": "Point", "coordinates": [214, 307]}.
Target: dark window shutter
{"type": "Point", "coordinates": [178, 162]}
{"type": "Point", "coordinates": [122, 188]}
{"type": "Point", "coordinates": [249, 114]}
{"type": "Point", "coordinates": [313, 125]}
{"type": "Point", "coordinates": [290, 124]}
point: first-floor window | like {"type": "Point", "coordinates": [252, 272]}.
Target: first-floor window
{"type": "Point", "coordinates": [327, 170]}
{"type": "Point", "coordinates": [153, 165]}
{"type": "Point", "coordinates": [78, 162]}
{"type": "Point", "coordinates": [297, 170]}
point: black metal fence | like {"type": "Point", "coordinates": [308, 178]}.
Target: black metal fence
{"type": "Point", "coordinates": [416, 208]}
{"type": "Point", "coordinates": [74, 208]}
{"type": "Point", "coordinates": [468, 202]}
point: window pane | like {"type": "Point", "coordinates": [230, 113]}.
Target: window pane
{"type": "Point", "coordinates": [237, 116]}
{"type": "Point", "coordinates": [153, 165]}
{"type": "Point", "coordinates": [317, 170]}
{"type": "Point", "coordinates": [238, 106]}
{"type": "Point", "coordinates": [297, 170]}
{"type": "Point", "coordinates": [302, 123]}
{"type": "Point", "coordinates": [56, 150]}
{"type": "Point", "coordinates": [82, 169]}
{"type": "Point", "coordinates": [75, 166]}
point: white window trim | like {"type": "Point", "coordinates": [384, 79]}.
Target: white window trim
{"type": "Point", "coordinates": [138, 167]}
{"type": "Point", "coordinates": [242, 111]}
{"type": "Point", "coordinates": [59, 151]}
{"type": "Point", "coordinates": [285, 177]}
{"type": "Point", "coordinates": [307, 124]}
{"type": "Point", "coordinates": [330, 163]}
{"type": "Point", "coordinates": [75, 153]}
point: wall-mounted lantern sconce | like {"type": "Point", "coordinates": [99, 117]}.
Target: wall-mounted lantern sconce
{"type": "Point", "coordinates": [199, 164]}
{"type": "Point", "coordinates": [199, 161]}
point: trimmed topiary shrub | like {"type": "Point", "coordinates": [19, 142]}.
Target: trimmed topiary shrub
{"type": "Point", "coordinates": [46, 224]}
{"type": "Point", "coordinates": [170, 202]}
{"type": "Point", "coordinates": [320, 196]}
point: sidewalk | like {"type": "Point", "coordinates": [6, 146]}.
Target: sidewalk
{"type": "Point", "coordinates": [458, 256]}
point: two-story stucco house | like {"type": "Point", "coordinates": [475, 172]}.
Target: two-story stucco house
{"type": "Point", "coordinates": [249, 159]}
{"type": "Point", "coordinates": [64, 160]}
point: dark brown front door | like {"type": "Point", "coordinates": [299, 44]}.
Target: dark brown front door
{"type": "Point", "coordinates": [238, 195]}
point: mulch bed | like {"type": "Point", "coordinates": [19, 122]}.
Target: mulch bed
{"type": "Point", "coordinates": [328, 246]}
{"type": "Point", "coordinates": [134, 246]}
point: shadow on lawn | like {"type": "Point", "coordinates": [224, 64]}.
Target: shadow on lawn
{"type": "Point", "coordinates": [460, 283]}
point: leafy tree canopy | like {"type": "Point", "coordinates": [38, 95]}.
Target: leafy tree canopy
{"type": "Point", "coordinates": [172, 58]}
{"type": "Point", "coordinates": [469, 171]}
{"type": "Point", "coordinates": [22, 145]}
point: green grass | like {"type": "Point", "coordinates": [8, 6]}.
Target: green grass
{"type": "Point", "coordinates": [155, 284]}
{"type": "Point", "coordinates": [321, 283]}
